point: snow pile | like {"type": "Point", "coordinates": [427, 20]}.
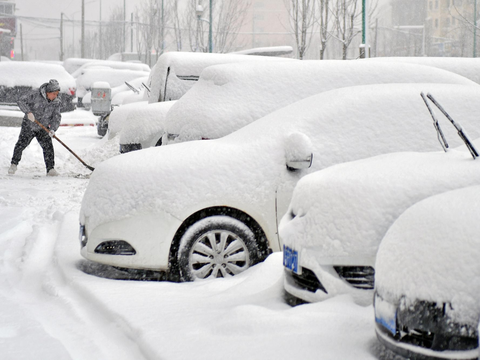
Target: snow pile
{"type": "Point", "coordinates": [146, 125]}
{"type": "Point", "coordinates": [14, 73]}
{"type": "Point", "coordinates": [228, 97]}
{"type": "Point", "coordinates": [432, 253]}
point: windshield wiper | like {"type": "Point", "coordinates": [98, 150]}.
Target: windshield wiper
{"type": "Point", "coordinates": [460, 131]}
{"type": "Point", "coordinates": [436, 125]}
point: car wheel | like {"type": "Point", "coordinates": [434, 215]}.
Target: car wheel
{"type": "Point", "coordinates": [216, 246]}
{"type": "Point", "coordinates": [102, 125]}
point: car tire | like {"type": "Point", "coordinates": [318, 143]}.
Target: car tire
{"type": "Point", "coordinates": [216, 246]}
{"type": "Point", "coordinates": [102, 125]}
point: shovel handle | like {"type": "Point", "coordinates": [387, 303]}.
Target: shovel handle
{"type": "Point", "coordinates": [66, 147]}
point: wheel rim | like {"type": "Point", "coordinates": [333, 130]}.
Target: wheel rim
{"type": "Point", "coordinates": [218, 253]}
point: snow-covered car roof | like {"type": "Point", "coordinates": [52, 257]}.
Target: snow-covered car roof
{"type": "Point", "coordinates": [145, 123]}
{"type": "Point", "coordinates": [112, 65]}
{"type": "Point", "coordinates": [188, 64]}
{"type": "Point", "coordinates": [343, 212]}
{"type": "Point", "coordinates": [114, 77]}
{"type": "Point", "coordinates": [228, 97]}
{"type": "Point", "coordinates": [72, 64]}
{"type": "Point", "coordinates": [467, 67]}
{"type": "Point", "coordinates": [245, 168]}
{"type": "Point", "coordinates": [34, 74]}
{"type": "Point", "coordinates": [431, 253]}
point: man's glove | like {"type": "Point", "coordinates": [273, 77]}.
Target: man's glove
{"type": "Point", "coordinates": [31, 117]}
{"type": "Point", "coordinates": [51, 133]}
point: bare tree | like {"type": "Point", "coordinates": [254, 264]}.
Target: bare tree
{"type": "Point", "coordinates": [346, 15]}
{"type": "Point", "coordinates": [151, 22]}
{"type": "Point", "coordinates": [302, 22]}
{"type": "Point", "coordinates": [112, 32]}
{"type": "Point", "coordinates": [324, 26]}
{"type": "Point", "coordinates": [177, 24]}
{"type": "Point", "coordinates": [228, 16]}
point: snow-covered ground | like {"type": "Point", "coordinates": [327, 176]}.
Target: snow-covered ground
{"type": "Point", "coordinates": [55, 305]}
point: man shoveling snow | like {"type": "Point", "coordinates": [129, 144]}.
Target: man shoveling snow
{"type": "Point", "coordinates": [42, 105]}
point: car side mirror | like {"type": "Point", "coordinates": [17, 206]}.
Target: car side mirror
{"type": "Point", "coordinates": [298, 151]}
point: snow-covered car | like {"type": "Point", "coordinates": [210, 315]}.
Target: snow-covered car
{"type": "Point", "coordinates": [105, 64]}
{"type": "Point", "coordinates": [338, 217]}
{"type": "Point", "coordinates": [228, 97]}
{"type": "Point", "coordinates": [128, 92]}
{"type": "Point", "coordinates": [467, 67]}
{"type": "Point", "coordinates": [143, 127]}
{"type": "Point", "coordinates": [73, 64]}
{"type": "Point", "coordinates": [176, 72]}
{"type": "Point", "coordinates": [114, 121]}
{"type": "Point", "coordinates": [210, 208]}
{"type": "Point", "coordinates": [171, 77]}
{"type": "Point", "coordinates": [18, 77]}
{"type": "Point", "coordinates": [427, 291]}
{"type": "Point", "coordinates": [115, 77]}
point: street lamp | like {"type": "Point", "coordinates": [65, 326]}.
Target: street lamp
{"type": "Point", "coordinates": [365, 28]}
{"type": "Point", "coordinates": [199, 13]}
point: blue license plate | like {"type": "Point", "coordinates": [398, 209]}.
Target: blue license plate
{"type": "Point", "coordinates": [386, 315]}
{"type": "Point", "coordinates": [290, 259]}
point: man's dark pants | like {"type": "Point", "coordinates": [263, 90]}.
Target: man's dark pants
{"type": "Point", "coordinates": [25, 138]}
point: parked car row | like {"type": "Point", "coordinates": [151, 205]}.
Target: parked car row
{"type": "Point", "coordinates": [320, 160]}
{"type": "Point", "coordinates": [19, 77]}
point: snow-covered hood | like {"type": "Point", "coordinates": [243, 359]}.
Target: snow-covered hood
{"type": "Point", "coordinates": [432, 253]}
{"type": "Point", "coordinates": [230, 96]}
{"type": "Point", "coordinates": [119, 115]}
{"type": "Point", "coordinates": [346, 210]}
{"type": "Point", "coordinates": [181, 179]}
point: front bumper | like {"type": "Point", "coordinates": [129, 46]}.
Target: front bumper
{"type": "Point", "coordinates": [423, 330]}
{"type": "Point", "coordinates": [319, 279]}
{"type": "Point", "coordinates": [149, 235]}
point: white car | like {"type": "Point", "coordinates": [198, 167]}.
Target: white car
{"type": "Point", "coordinates": [338, 217]}
{"type": "Point", "coordinates": [427, 291]}
{"type": "Point", "coordinates": [176, 72]}
{"type": "Point", "coordinates": [211, 208]}
{"type": "Point", "coordinates": [144, 126]}
{"type": "Point", "coordinates": [228, 97]}
{"type": "Point", "coordinates": [467, 67]}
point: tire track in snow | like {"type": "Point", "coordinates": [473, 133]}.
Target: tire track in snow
{"type": "Point", "coordinates": [38, 284]}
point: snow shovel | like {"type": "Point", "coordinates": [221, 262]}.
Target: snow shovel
{"type": "Point", "coordinates": [66, 147]}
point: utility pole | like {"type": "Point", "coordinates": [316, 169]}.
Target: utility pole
{"type": "Point", "coordinates": [210, 42]}
{"type": "Point", "coordinates": [61, 36]}
{"type": "Point", "coordinates": [21, 40]}
{"type": "Point", "coordinates": [365, 28]}
{"type": "Point", "coordinates": [82, 55]}
{"type": "Point", "coordinates": [163, 30]}
{"type": "Point", "coordinates": [475, 28]}
{"type": "Point", "coordinates": [100, 33]}
{"type": "Point", "coordinates": [131, 32]}
{"type": "Point", "coordinates": [124, 24]}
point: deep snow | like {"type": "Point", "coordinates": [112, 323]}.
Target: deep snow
{"type": "Point", "coordinates": [55, 305]}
